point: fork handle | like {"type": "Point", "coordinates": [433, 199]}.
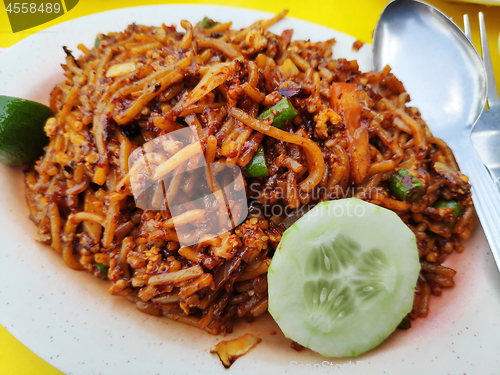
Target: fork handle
{"type": "Point", "coordinates": [485, 195]}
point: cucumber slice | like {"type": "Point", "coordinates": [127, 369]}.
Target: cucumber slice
{"type": "Point", "coordinates": [343, 277]}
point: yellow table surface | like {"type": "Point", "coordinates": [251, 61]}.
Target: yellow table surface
{"type": "Point", "coordinates": [354, 17]}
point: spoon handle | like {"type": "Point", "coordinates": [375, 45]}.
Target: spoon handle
{"type": "Point", "coordinates": [485, 195]}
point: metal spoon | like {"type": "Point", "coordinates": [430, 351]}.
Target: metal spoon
{"type": "Point", "coordinates": [446, 80]}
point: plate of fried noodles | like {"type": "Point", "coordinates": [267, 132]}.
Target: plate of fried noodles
{"type": "Point", "coordinates": [86, 246]}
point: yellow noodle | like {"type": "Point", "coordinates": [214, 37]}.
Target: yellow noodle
{"type": "Point", "coordinates": [315, 158]}
{"type": "Point", "coordinates": [176, 160]}
{"type": "Point", "coordinates": [55, 228]}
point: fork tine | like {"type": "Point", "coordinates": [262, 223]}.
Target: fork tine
{"type": "Point", "coordinates": [485, 49]}
{"type": "Point", "coordinates": [467, 27]}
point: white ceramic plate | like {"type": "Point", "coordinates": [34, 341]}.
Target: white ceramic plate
{"type": "Point", "coordinates": [69, 319]}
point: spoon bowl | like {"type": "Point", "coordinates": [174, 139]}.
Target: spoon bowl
{"type": "Point", "coordinates": [438, 65]}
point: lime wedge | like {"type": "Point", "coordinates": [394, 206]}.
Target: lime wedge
{"type": "Point", "coordinates": [22, 137]}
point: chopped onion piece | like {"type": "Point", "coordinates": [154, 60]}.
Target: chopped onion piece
{"type": "Point", "coordinates": [119, 69]}
{"type": "Point", "coordinates": [230, 350]}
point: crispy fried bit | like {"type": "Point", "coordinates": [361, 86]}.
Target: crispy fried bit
{"type": "Point", "coordinates": [357, 45]}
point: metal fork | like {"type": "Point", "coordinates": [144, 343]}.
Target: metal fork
{"type": "Point", "coordinates": [485, 134]}
{"type": "Point", "coordinates": [485, 137]}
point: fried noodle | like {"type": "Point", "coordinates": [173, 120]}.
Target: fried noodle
{"type": "Point", "coordinates": [353, 131]}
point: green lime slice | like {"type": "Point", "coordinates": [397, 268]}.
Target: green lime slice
{"type": "Point", "coordinates": [22, 137]}
{"type": "Point", "coordinates": [343, 277]}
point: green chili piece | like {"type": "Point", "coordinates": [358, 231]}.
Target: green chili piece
{"type": "Point", "coordinates": [257, 166]}
{"type": "Point", "coordinates": [443, 203]}
{"type": "Point", "coordinates": [98, 40]}
{"type": "Point", "coordinates": [405, 323]}
{"type": "Point", "coordinates": [282, 111]}
{"type": "Point", "coordinates": [406, 186]}
{"type": "Point", "coordinates": [207, 23]}
{"type": "Point", "coordinates": [103, 269]}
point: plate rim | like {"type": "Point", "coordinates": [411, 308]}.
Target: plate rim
{"type": "Point", "coordinates": [21, 45]}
